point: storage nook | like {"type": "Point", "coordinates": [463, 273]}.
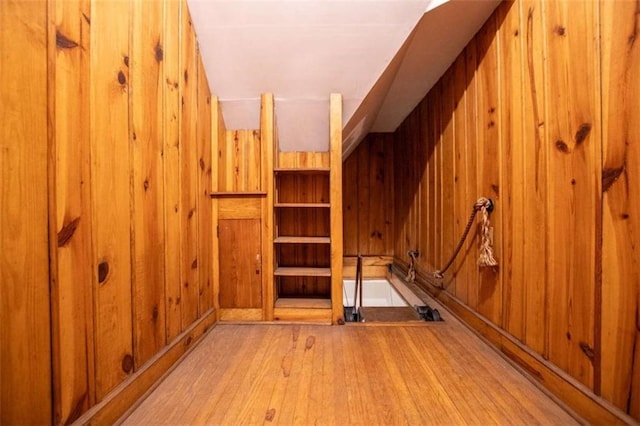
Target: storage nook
{"type": "Point", "coordinates": [278, 219]}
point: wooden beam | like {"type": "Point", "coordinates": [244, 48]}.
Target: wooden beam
{"type": "Point", "coordinates": [335, 132]}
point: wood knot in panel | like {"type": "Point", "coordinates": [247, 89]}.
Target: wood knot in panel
{"type": "Point", "coordinates": [609, 176]}
{"type": "Point", "coordinates": [64, 42]}
{"type": "Point", "coordinates": [582, 133]}
{"type": "Point", "coordinates": [588, 350]}
{"type": "Point", "coordinates": [67, 231]}
{"type": "Point", "coordinates": [562, 146]}
{"type": "Point", "coordinates": [127, 363]}
{"type": "Point", "coordinates": [159, 52]}
{"type": "Point", "coordinates": [103, 272]}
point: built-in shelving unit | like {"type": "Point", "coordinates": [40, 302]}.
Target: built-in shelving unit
{"type": "Point", "coordinates": [307, 230]}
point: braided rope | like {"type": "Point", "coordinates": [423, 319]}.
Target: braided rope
{"type": "Point", "coordinates": [486, 248]}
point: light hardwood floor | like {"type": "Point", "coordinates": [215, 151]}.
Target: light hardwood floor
{"type": "Point", "coordinates": [354, 374]}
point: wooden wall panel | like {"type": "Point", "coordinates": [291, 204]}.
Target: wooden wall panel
{"type": "Point", "coordinates": [239, 162]}
{"type": "Point", "coordinates": [471, 245]}
{"type": "Point", "coordinates": [367, 193]}
{"type": "Point", "coordinates": [350, 204]}
{"type": "Point", "coordinates": [573, 144]}
{"type": "Point", "coordinates": [525, 99]}
{"type": "Point", "coordinates": [511, 159]}
{"type": "Point", "coordinates": [110, 179]}
{"type": "Point", "coordinates": [188, 170]}
{"type": "Point", "coordinates": [620, 351]}
{"type": "Point", "coordinates": [461, 207]}
{"type": "Point", "coordinates": [93, 89]}
{"type": "Point", "coordinates": [534, 164]}
{"type": "Point", "coordinates": [146, 108]}
{"type": "Point", "coordinates": [72, 297]}
{"type": "Point", "coordinates": [172, 183]}
{"type": "Point", "coordinates": [25, 351]}
{"type": "Point", "coordinates": [489, 104]}
{"type": "Point", "coordinates": [205, 221]}
{"type": "Point", "coordinates": [447, 177]}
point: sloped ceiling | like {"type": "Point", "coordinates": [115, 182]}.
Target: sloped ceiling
{"type": "Point", "coordinates": [382, 55]}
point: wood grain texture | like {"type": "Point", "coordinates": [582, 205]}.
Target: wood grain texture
{"type": "Point", "coordinates": [240, 263]}
{"type": "Point", "coordinates": [25, 349]}
{"type": "Point", "coordinates": [110, 175]}
{"type": "Point", "coordinates": [119, 403]}
{"type": "Point", "coordinates": [367, 194]}
{"type": "Point", "coordinates": [146, 144]}
{"type": "Point", "coordinates": [471, 245]}
{"type": "Point", "coordinates": [190, 279]}
{"type": "Point", "coordinates": [350, 203]}
{"type": "Point", "coordinates": [307, 374]}
{"type": "Point", "coordinates": [240, 162]}
{"type": "Point", "coordinates": [512, 174]}
{"type": "Point", "coordinates": [205, 205]}
{"type": "Point", "coordinates": [447, 176]}
{"type": "Point", "coordinates": [72, 298]}
{"type": "Point", "coordinates": [462, 202]}
{"type": "Point", "coordinates": [303, 160]}
{"type": "Point", "coordinates": [218, 132]}
{"type": "Point", "coordinates": [620, 353]}
{"type": "Point", "coordinates": [267, 137]}
{"type": "Point", "coordinates": [533, 139]}
{"type": "Point", "coordinates": [567, 389]}
{"type": "Point", "coordinates": [335, 153]}
{"type": "Point", "coordinates": [489, 108]}
{"type": "Point", "coordinates": [573, 146]}
{"type": "Point", "coordinates": [535, 170]}
{"type": "Point", "coordinates": [172, 174]}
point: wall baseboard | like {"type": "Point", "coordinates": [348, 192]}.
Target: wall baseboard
{"type": "Point", "coordinates": [558, 383]}
{"type": "Point", "coordinates": [126, 395]}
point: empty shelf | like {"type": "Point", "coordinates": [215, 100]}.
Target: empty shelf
{"type": "Point", "coordinates": [290, 302]}
{"type": "Point", "coordinates": [302, 272]}
{"type": "Point", "coordinates": [323, 205]}
{"type": "Point", "coordinates": [307, 240]}
{"type": "Point", "coordinates": [310, 170]}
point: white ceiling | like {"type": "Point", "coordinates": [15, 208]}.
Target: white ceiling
{"type": "Point", "coordinates": [303, 50]}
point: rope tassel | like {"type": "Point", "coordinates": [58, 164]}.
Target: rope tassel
{"type": "Point", "coordinates": [486, 258]}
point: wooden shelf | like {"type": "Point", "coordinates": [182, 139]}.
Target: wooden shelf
{"type": "Point", "coordinates": [317, 170]}
{"type": "Point", "coordinates": [309, 303]}
{"type": "Point", "coordinates": [302, 272]}
{"type": "Point", "coordinates": [302, 240]}
{"type": "Point", "coordinates": [311, 205]}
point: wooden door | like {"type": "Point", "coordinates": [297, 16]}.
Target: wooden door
{"type": "Point", "coordinates": [240, 263]}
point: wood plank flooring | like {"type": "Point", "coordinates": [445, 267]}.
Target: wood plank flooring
{"type": "Point", "coordinates": [355, 374]}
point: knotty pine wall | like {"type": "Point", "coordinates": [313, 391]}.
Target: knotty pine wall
{"type": "Point", "coordinates": [367, 193]}
{"type": "Point", "coordinates": [539, 112]}
{"type": "Point", "coordinates": [368, 197]}
{"type": "Point", "coordinates": [106, 216]}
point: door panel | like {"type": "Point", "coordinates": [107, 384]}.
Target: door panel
{"type": "Point", "coordinates": [240, 263]}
